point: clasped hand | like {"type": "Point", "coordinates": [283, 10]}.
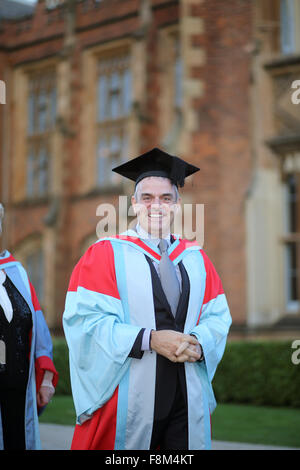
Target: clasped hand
{"type": "Point", "coordinates": [176, 346]}
{"type": "Point", "coordinates": [44, 395]}
{"type": "Point", "coordinates": [46, 390]}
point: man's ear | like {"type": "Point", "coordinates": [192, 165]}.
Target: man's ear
{"type": "Point", "coordinates": [134, 204]}
{"type": "Point", "coordinates": [177, 205]}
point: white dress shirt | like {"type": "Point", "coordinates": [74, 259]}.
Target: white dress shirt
{"type": "Point", "coordinates": [8, 312]}
{"type": "Point", "coordinates": [4, 299]}
{"type": "Point", "coordinates": [146, 237]}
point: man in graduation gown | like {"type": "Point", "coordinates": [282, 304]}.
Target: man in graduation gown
{"type": "Point", "coordinates": [146, 321]}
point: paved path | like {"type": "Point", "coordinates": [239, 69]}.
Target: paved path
{"type": "Point", "coordinates": [55, 437]}
{"type": "Point", "coordinates": [219, 445]}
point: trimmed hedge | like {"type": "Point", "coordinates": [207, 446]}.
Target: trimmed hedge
{"type": "Point", "coordinates": [258, 373]}
{"type": "Point", "coordinates": [61, 362]}
{"type": "Point", "coordinates": [252, 372]}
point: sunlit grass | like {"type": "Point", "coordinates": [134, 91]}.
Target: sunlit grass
{"type": "Point", "coordinates": [59, 411]}
{"type": "Point", "coordinates": [257, 424]}
{"type": "Point", "coordinates": [235, 423]}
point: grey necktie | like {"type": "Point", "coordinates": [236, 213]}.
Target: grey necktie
{"type": "Point", "coordinates": [168, 278]}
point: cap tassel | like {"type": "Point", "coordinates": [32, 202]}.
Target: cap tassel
{"type": "Point", "coordinates": [178, 171]}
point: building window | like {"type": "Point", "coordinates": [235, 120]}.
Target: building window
{"type": "Point", "coordinates": [177, 74]}
{"type": "Point", "coordinates": [41, 121]}
{"type": "Point", "coordinates": [292, 245]}
{"type": "Point", "coordinates": [287, 26]}
{"type": "Point", "coordinates": [37, 171]}
{"type": "Point", "coordinates": [113, 110]}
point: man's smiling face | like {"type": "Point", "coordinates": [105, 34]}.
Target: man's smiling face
{"type": "Point", "coordinates": [154, 204]}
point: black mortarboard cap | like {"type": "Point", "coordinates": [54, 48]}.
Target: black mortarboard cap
{"type": "Point", "coordinates": [156, 162]}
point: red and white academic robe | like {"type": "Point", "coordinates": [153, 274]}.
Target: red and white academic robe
{"type": "Point", "coordinates": [109, 300]}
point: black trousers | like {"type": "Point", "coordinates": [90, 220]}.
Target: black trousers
{"type": "Point", "coordinates": [12, 402]}
{"type": "Point", "coordinates": [171, 433]}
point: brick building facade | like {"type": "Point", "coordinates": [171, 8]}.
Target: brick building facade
{"type": "Point", "coordinates": [91, 83]}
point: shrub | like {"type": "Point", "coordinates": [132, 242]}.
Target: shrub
{"type": "Point", "coordinates": [253, 372]}
{"type": "Point", "coordinates": [61, 362]}
{"type": "Point", "coordinates": [258, 373]}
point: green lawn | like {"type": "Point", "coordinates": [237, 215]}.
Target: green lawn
{"type": "Point", "coordinates": [257, 424]}
{"type": "Point", "coordinates": [236, 423]}
{"type": "Point", "coordinates": [59, 411]}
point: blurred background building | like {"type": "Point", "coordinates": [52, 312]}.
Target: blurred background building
{"type": "Point", "coordinates": [92, 83]}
